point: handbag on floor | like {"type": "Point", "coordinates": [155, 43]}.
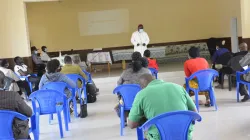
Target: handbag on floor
{"type": "Point", "coordinates": [84, 111]}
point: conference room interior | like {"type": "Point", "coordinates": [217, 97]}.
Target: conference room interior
{"type": "Point", "coordinates": [83, 27]}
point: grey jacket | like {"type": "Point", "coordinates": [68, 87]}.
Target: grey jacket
{"type": "Point", "coordinates": [131, 77]}
{"type": "Point", "coordinates": [245, 61]}
{"type": "Point", "coordinates": [10, 100]}
{"type": "Point", "coordinates": [57, 77]}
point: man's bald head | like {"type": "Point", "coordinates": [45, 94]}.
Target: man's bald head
{"type": "Point", "coordinates": [2, 77]}
{"type": "Point", "coordinates": [145, 79]}
{"type": "Point", "coordinates": [243, 47]}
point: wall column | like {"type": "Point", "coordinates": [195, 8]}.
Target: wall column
{"type": "Point", "coordinates": [14, 38]}
{"type": "Point", "coordinates": [245, 21]}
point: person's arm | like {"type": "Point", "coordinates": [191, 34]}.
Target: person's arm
{"type": "Point", "coordinates": [186, 70]}
{"type": "Point", "coordinates": [41, 83]}
{"type": "Point", "coordinates": [136, 113]}
{"type": "Point", "coordinates": [23, 108]}
{"type": "Point", "coordinates": [146, 39]}
{"type": "Point", "coordinates": [22, 73]}
{"type": "Point", "coordinates": [214, 57]}
{"type": "Point", "coordinates": [133, 39]}
{"type": "Point", "coordinates": [71, 83]}
{"type": "Point", "coordinates": [82, 73]}
{"type": "Point", "coordinates": [190, 103]}
{"type": "Point", "coordinates": [245, 61]}
{"type": "Point", "coordinates": [37, 60]}
{"type": "Point", "coordinates": [120, 81]}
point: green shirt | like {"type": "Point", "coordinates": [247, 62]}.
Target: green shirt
{"type": "Point", "coordinates": [157, 98]}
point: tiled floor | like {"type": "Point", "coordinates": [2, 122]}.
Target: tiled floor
{"type": "Point", "coordinates": [230, 122]}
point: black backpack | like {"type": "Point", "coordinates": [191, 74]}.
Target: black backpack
{"type": "Point", "coordinates": [91, 93]}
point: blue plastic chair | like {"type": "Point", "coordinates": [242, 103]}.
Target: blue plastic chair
{"type": "Point", "coordinates": [171, 125]}
{"type": "Point", "coordinates": [88, 75]}
{"type": "Point", "coordinates": [205, 82]}
{"type": "Point", "coordinates": [128, 93]}
{"type": "Point", "coordinates": [50, 102]}
{"type": "Point", "coordinates": [76, 78]}
{"type": "Point", "coordinates": [30, 84]}
{"type": "Point", "coordinates": [6, 122]}
{"type": "Point", "coordinates": [58, 86]}
{"type": "Point", "coordinates": [239, 81]}
{"type": "Point", "coordinates": [154, 72]}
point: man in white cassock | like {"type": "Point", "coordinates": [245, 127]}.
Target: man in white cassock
{"type": "Point", "coordinates": [140, 40]}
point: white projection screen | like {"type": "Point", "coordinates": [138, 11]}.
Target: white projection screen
{"type": "Point", "coordinates": [103, 22]}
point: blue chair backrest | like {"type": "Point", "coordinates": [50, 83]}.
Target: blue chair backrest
{"type": "Point", "coordinates": [128, 93]}
{"type": "Point", "coordinates": [153, 70]}
{"type": "Point", "coordinates": [58, 86]}
{"type": "Point", "coordinates": [88, 75]}
{"type": "Point", "coordinates": [204, 78]}
{"type": "Point", "coordinates": [173, 125]}
{"type": "Point", "coordinates": [6, 122]}
{"type": "Point", "coordinates": [76, 77]}
{"type": "Point", "coordinates": [47, 100]}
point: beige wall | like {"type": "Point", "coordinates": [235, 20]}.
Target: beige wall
{"type": "Point", "coordinates": [13, 33]}
{"type": "Point", "coordinates": [56, 24]}
{"type": "Point", "coordinates": [245, 18]}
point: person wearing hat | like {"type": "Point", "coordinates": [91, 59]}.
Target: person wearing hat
{"type": "Point", "coordinates": [140, 40]}
{"type": "Point", "coordinates": [37, 61]}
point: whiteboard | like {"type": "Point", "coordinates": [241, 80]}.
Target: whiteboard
{"type": "Point", "coordinates": [103, 22]}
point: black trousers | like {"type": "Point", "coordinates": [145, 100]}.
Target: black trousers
{"type": "Point", "coordinates": [242, 87]}
{"type": "Point", "coordinates": [35, 81]}
{"type": "Point", "coordinates": [40, 69]}
{"type": "Point", "coordinates": [222, 72]}
{"type": "Point", "coordinates": [24, 85]}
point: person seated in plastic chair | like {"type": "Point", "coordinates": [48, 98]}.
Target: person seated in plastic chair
{"type": "Point", "coordinates": [194, 64]}
{"type": "Point", "coordinates": [131, 76]}
{"type": "Point", "coordinates": [148, 103]}
{"type": "Point", "coordinates": [152, 63]}
{"type": "Point", "coordinates": [77, 61]}
{"type": "Point", "coordinates": [22, 70]}
{"type": "Point", "coordinates": [10, 100]}
{"type": "Point", "coordinates": [53, 75]}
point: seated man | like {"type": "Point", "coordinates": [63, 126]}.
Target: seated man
{"type": "Point", "coordinates": [22, 70]}
{"type": "Point", "coordinates": [44, 55]}
{"type": "Point", "coordinates": [12, 101]}
{"type": "Point", "coordinates": [194, 64]}
{"type": "Point", "coordinates": [152, 63]}
{"type": "Point", "coordinates": [37, 61]}
{"type": "Point", "coordinates": [69, 68]}
{"type": "Point", "coordinates": [148, 103]}
{"type": "Point", "coordinates": [219, 51]}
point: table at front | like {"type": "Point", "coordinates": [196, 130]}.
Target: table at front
{"type": "Point", "coordinates": [97, 58]}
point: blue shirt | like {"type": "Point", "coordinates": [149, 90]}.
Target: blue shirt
{"type": "Point", "coordinates": [218, 53]}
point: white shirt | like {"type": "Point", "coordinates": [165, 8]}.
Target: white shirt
{"type": "Point", "coordinates": [9, 73]}
{"type": "Point", "coordinates": [139, 38]}
{"type": "Point", "coordinates": [23, 68]}
{"type": "Point", "coordinates": [45, 56]}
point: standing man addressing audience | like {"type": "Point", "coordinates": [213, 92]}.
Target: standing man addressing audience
{"type": "Point", "coordinates": [140, 40]}
{"type": "Point", "coordinates": [149, 103]}
{"type": "Point", "coordinates": [12, 101]}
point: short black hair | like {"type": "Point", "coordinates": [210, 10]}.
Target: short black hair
{"type": "Point", "coordinates": [67, 59]}
{"type": "Point", "coordinates": [16, 58]}
{"type": "Point", "coordinates": [33, 48]}
{"type": "Point", "coordinates": [219, 44]}
{"type": "Point", "coordinates": [194, 52]}
{"type": "Point", "coordinates": [147, 53]}
{"type": "Point", "coordinates": [43, 48]}
{"type": "Point", "coordinates": [144, 62]}
{"type": "Point", "coordinates": [3, 62]}
{"type": "Point", "coordinates": [53, 65]}
{"type": "Point", "coordinates": [136, 56]}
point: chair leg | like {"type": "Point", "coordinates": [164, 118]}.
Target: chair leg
{"type": "Point", "coordinates": [213, 103]}
{"type": "Point", "coordinates": [50, 118]}
{"type": "Point", "coordinates": [60, 123]}
{"type": "Point", "coordinates": [230, 82]}
{"type": "Point", "coordinates": [66, 119]}
{"type": "Point", "coordinates": [140, 135]}
{"type": "Point", "coordinates": [237, 91]}
{"type": "Point", "coordinates": [75, 107]}
{"type": "Point", "coordinates": [122, 120]}
{"type": "Point", "coordinates": [197, 100]}
{"type": "Point", "coordinates": [37, 124]}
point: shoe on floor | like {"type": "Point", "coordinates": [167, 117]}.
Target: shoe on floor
{"type": "Point", "coordinates": [219, 86]}
{"type": "Point", "coordinates": [246, 97]}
